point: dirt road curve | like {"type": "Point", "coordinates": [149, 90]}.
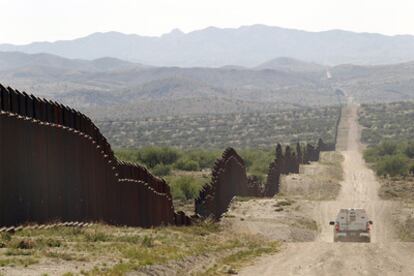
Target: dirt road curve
{"type": "Point", "coordinates": [384, 256]}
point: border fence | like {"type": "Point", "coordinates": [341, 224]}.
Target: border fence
{"type": "Point", "coordinates": [229, 178]}
{"type": "Point", "coordinates": [55, 165]}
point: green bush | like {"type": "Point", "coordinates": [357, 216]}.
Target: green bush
{"type": "Point", "coordinates": [152, 156]}
{"type": "Point", "coordinates": [160, 160]}
{"type": "Point", "coordinates": [161, 170]}
{"type": "Point", "coordinates": [409, 150]}
{"type": "Point", "coordinates": [187, 165]}
{"type": "Point", "coordinates": [185, 187]}
{"type": "Point", "coordinates": [371, 155]}
{"type": "Point", "coordinates": [387, 148]}
{"type": "Point", "coordinates": [393, 165]}
{"type": "Point", "coordinates": [128, 155]}
{"type": "Point", "coordinates": [205, 158]}
{"type": "Point", "coordinates": [257, 161]}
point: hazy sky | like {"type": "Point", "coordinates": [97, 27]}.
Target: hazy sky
{"type": "Point", "coordinates": [23, 21]}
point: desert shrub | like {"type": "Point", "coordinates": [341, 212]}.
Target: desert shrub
{"type": "Point", "coordinates": [387, 148]}
{"type": "Point", "coordinates": [218, 131]}
{"type": "Point", "coordinates": [205, 158]}
{"type": "Point", "coordinates": [187, 165]}
{"type": "Point", "coordinates": [149, 156]}
{"type": "Point", "coordinates": [391, 158]}
{"type": "Point", "coordinates": [161, 170]}
{"type": "Point", "coordinates": [392, 121]}
{"type": "Point", "coordinates": [371, 155]}
{"type": "Point", "coordinates": [152, 156]}
{"type": "Point", "coordinates": [257, 161]}
{"type": "Point", "coordinates": [393, 165]}
{"type": "Point", "coordinates": [185, 187]}
{"type": "Point", "coordinates": [128, 155]}
{"type": "Point", "coordinates": [409, 149]}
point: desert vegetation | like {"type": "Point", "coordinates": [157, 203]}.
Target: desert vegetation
{"type": "Point", "coordinates": [241, 130]}
{"type": "Point", "coordinates": [186, 171]}
{"type": "Point", "coordinates": [391, 158]}
{"type": "Point", "coordinates": [392, 121]}
{"type": "Point", "coordinates": [389, 133]}
{"type": "Point", "coordinates": [393, 162]}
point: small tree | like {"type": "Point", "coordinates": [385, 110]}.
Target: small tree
{"type": "Point", "coordinates": [395, 165]}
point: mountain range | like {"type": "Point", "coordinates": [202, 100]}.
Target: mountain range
{"type": "Point", "coordinates": [108, 88]}
{"type": "Point", "coordinates": [246, 46]}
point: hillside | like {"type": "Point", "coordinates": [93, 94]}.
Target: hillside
{"type": "Point", "coordinates": [110, 87]}
{"type": "Point", "coordinates": [375, 84]}
{"type": "Point", "coordinates": [291, 65]}
{"type": "Point", "coordinates": [245, 46]}
{"type": "Point", "coordinates": [18, 60]}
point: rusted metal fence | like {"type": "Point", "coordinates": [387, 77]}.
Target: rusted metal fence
{"type": "Point", "coordinates": [55, 165]}
{"type": "Point", "coordinates": [229, 178]}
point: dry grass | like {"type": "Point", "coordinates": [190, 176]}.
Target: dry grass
{"type": "Point", "coordinates": [106, 250]}
{"type": "Point", "coordinates": [403, 219]}
{"type": "Point", "coordinates": [399, 188]}
{"type": "Point", "coordinates": [239, 258]}
{"type": "Point", "coordinates": [406, 230]}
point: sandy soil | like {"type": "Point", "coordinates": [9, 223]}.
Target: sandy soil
{"type": "Point", "coordinates": [384, 256]}
{"type": "Point", "coordinates": [275, 219]}
{"type": "Point", "coordinates": [316, 181]}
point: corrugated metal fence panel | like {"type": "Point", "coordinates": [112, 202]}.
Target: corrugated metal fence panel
{"type": "Point", "coordinates": [54, 172]}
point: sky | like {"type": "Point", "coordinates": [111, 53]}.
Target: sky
{"type": "Point", "coordinates": [25, 21]}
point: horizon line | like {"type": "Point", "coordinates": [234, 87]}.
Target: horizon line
{"type": "Point", "coordinates": [178, 30]}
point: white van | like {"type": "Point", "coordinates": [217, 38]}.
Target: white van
{"type": "Point", "coordinates": [352, 225]}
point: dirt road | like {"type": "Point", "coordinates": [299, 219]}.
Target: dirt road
{"type": "Point", "coordinates": [384, 256]}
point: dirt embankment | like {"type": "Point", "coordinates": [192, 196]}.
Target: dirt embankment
{"type": "Point", "coordinates": [386, 255]}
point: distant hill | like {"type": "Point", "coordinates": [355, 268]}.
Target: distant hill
{"type": "Point", "coordinates": [112, 87]}
{"type": "Point", "coordinates": [16, 60]}
{"type": "Point", "coordinates": [109, 87]}
{"type": "Point", "coordinates": [370, 84]}
{"type": "Point", "coordinates": [291, 65]}
{"type": "Point", "coordinates": [246, 46]}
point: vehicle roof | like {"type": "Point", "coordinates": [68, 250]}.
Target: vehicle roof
{"type": "Point", "coordinates": [352, 209]}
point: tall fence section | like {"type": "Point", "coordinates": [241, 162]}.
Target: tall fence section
{"type": "Point", "coordinates": [56, 165]}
